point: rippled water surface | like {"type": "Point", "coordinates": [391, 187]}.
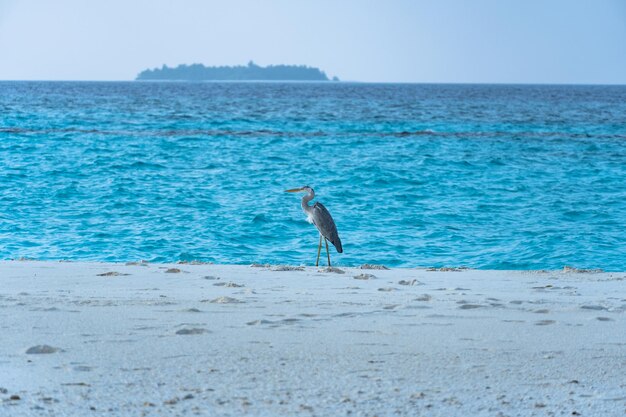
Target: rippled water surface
{"type": "Point", "coordinates": [486, 176]}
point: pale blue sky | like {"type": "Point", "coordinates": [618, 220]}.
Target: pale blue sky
{"type": "Point", "coordinates": [525, 41]}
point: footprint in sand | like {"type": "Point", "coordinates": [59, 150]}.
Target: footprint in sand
{"type": "Point", "coordinates": [112, 274]}
{"type": "Point", "coordinates": [228, 284]}
{"type": "Point", "coordinates": [331, 269]}
{"type": "Point", "coordinates": [372, 266]}
{"type": "Point", "coordinates": [364, 276]}
{"type": "Point", "coordinates": [210, 277]}
{"type": "Point", "coordinates": [257, 322]}
{"type": "Point", "coordinates": [223, 300]}
{"type": "Point", "coordinates": [288, 268]}
{"type": "Point", "coordinates": [42, 349]}
{"type": "Point", "coordinates": [287, 321]}
{"type": "Point", "coordinates": [594, 307]}
{"type": "Point", "coordinates": [190, 331]}
{"type": "Point", "coordinates": [469, 306]}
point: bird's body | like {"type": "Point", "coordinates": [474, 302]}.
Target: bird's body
{"type": "Point", "coordinates": [318, 215]}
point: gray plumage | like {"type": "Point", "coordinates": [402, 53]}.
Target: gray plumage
{"type": "Point", "coordinates": [325, 224]}
{"type": "Point", "coordinates": [321, 218]}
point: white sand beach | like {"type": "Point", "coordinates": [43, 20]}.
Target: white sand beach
{"type": "Point", "coordinates": [81, 339]}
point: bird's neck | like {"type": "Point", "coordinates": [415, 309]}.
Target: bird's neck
{"type": "Point", "coordinates": [305, 201]}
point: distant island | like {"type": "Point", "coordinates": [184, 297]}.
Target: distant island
{"type": "Point", "coordinates": [250, 72]}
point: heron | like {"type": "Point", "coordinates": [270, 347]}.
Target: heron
{"type": "Point", "coordinates": [321, 218]}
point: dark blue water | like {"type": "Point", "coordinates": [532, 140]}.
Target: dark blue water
{"type": "Point", "coordinates": [486, 176]}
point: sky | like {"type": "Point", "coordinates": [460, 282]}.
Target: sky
{"type": "Point", "coordinates": [446, 41]}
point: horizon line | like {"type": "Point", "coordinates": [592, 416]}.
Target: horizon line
{"type": "Point", "coordinates": [325, 82]}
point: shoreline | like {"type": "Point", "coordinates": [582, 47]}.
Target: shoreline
{"type": "Point", "coordinates": [207, 339]}
{"type": "Point", "coordinates": [565, 269]}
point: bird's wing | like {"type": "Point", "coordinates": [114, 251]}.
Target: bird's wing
{"type": "Point", "coordinates": [326, 225]}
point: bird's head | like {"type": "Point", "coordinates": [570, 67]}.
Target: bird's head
{"type": "Point", "coordinates": [305, 189]}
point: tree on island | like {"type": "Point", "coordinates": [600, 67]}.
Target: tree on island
{"type": "Point", "coordinates": [250, 72]}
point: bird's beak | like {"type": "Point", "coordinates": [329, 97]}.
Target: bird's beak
{"type": "Point", "coordinates": [293, 190]}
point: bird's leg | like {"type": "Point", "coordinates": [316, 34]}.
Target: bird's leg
{"type": "Point", "coordinates": [327, 252]}
{"type": "Point", "coordinates": [319, 250]}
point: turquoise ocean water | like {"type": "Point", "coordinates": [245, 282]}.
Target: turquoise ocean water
{"type": "Point", "coordinates": [485, 176]}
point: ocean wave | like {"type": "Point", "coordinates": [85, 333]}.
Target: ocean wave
{"type": "Point", "coordinates": [193, 134]}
